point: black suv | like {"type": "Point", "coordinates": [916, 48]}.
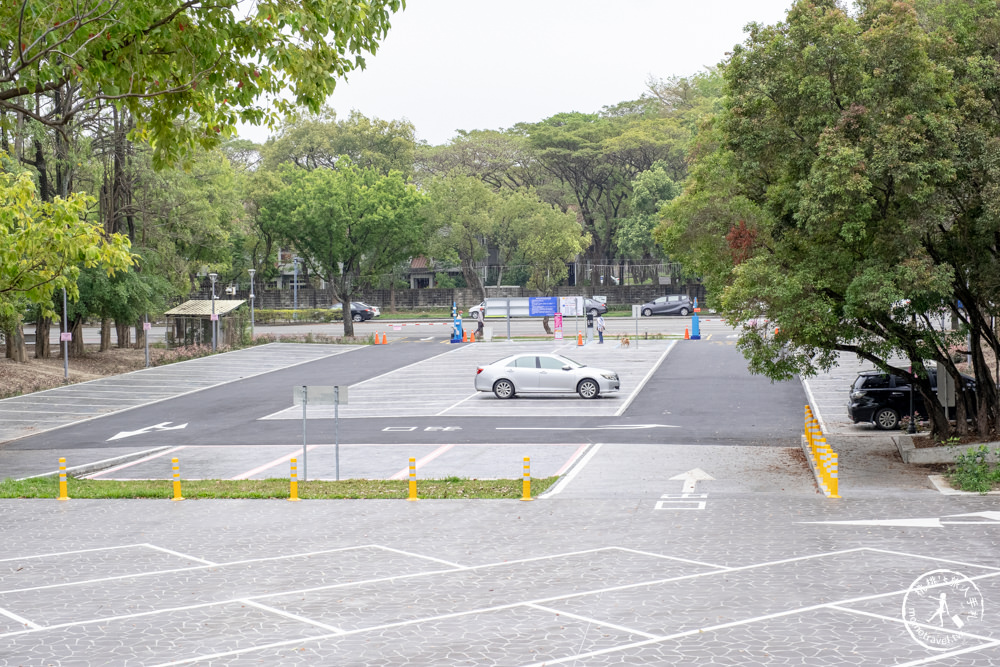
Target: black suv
{"type": "Point", "coordinates": [882, 398]}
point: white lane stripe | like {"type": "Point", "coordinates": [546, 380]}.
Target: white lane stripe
{"type": "Point", "coordinates": [153, 573]}
{"type": "Point", "coordinates": [294, 617]}
{"type": "Point", "coordinates": [571, 460]}
{"type": "Point", "coordinates": [179, 554]}
{"type": "Point", "coordinates": [430, 558]}
{"type": "Point", "coordinates": [902, 621]}
{"type": "Point", "coordinates": [675, 558]}
{"type": "Point", "coordinates": [261, 468]}
{"type": "Point", "coordinates": [20, 619]}
{"type": "Point", "coordinates": [405, 472]}
{"type": "Point", "coordinates": [455, 405]}
{"type": "Point", "coordinates": [151, 457]}
{"type": "Point", "coordinates": [642, 383]}
{"type": "Point", "coordinates": [71, 553]}
{"type": "Point", "coordinates": [933, 558]}
{"type": "Point", "coordinates": [586, 619]}
{"type": "Point", "coordinates": [574, 471]}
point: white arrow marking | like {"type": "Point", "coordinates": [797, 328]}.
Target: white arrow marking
{"type": "Point", "coordinates": [692, 477]}
{"type": "Point", "coordinates": [156, 427]}
{"type": "Point", "coordinates": [613, 427]}
{"type": "Point", "coordinates": [428, 338]}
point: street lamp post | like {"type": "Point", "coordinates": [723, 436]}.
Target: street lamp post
{"type": "Point", "coordinates": [295, 288]}
{"type": "Point", "coordinates": [212, 277]}
{"type": "Point", "coordinates": [912, 426]}
{"type": "Point", "coordinates": [252, 271]}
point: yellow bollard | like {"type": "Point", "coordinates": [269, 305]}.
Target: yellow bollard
{"type": "Point", "coordinates": [526, 483]}
{"type": "Point", "coordinates": [294, 494]}
{"type": "Point", "coordinates": [413, 480]}
{"type": "Point", "coordinates": [834, 477]}
{"type": "Point", "coordinates": [63, 493]}
{"type": "Point", "coordinates": [177, 480]}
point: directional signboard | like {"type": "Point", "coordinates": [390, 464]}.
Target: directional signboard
{"type": "Point", "coordinates": [545, 306]}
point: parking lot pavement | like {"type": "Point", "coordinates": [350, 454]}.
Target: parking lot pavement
{"type": "Point", "coordinates": [752, 579]}
{"type": "Point", "coordinates": [829, 392]}
{"type": "Point", "coordinates": [31, 414]}
{"type": "Point", "coordinates": [356, 461]}
{"type": "Point", "coordinates": [443, 385]}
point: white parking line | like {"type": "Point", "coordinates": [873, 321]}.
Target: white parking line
{"type": "Point", "coordinates": [100, 473]}
{"type": "Point", "coordinates": [564, 482]}
{"type": "Point", "coordinates": [19, 619]}
{"type": "Point", "coordinates": [267, 466]}
{"type": "Point", "coordinates": [645, 379]}
{"type": "Point", "coordinates": [405, 472]}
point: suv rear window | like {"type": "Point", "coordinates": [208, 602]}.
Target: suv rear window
{"type": "Point", "coordinates": [876, 382]}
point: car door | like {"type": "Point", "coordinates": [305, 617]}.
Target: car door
{"type": "Point", "coordinates": [552, 377]}
{"type": "Point", "coordinates": [524, 372]}
{"type": "Point", "coordinates": [659, 306]}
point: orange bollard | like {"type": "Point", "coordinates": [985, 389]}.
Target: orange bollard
{"type": "Point", "coordinates": [384, 342]}
{"type": "Point", "coordinates": [687, 335]}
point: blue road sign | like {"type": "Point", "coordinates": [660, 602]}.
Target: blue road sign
{"type": "Point", "coordinates": [543, 306]}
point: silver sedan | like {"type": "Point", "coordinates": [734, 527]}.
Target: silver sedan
{"type": "Point", "coordinates": [544, 374]}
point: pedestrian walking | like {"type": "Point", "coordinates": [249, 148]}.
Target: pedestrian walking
{"type": "Point", "coordinates": [479, 314]}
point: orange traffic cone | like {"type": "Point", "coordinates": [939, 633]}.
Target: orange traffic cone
{"type": "Point", "coordinates": [472, 337]}
{"type": "Point", "coordinates": [687, 335]}
{"type": "Point", "coordinates": [384, 342]}
{"type": "Point", "coordinates": [376, 339]}
{"type": "Point", "coordinates": [465, 336]}
{"type": "Point", "coordinates": [579, 339]}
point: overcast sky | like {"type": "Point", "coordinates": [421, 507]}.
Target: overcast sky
{"type": "Point", "coordinates": [472, 64]}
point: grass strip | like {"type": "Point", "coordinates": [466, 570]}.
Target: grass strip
{"type": "Point", "coordinates": [430, 489]}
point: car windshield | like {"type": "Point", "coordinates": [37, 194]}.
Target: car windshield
{"type": "Point", "coordinates": [575, 364]}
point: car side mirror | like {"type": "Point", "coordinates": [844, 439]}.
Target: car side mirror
{"type": "Point", "coordinates": [567, 368]}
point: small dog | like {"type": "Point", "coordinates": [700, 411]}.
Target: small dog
{"type": "Point", "coordinates": [625, 341]}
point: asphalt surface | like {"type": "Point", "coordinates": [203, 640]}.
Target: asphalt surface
{"type": "Point", "coordinates": [701, 539]}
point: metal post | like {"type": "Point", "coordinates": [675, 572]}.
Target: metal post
{"type": "Point", "coordinates": [295, 288]}
{"type": "Point", "coordinates": [912, 428]}
{"type": "Point", "coordinates": [145, 336]}
{"type": "Point", "coordinates": [65, 342]}
{"type": "Point", "coordinates": [336, 428]}
{"type": "Point", "coordinates": [509, 339]}
{"type": "Point", "coordinates": [212, 277]}
{"type": "Point", "coordinates": [252, 271]}
{"type": "Point", "coordinates": [305, 400]}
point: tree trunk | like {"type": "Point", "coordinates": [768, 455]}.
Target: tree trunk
{"type": "Point", "coordinates": [15, 344]}
{"type": "Point", "coordinates": [76, 347]}
{"type": "Point", "coordinates": [545, 325]}
{"type": "Point", "coordinates": [124, 333]}
{"type": "Point", "coordinates": [140, 336]}
{"type": "Point", "coordinates": [105, 334]}
{"type": "Point", "coordinates": [42, 327]}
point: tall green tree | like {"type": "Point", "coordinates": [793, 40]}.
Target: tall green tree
{"type": "Point", "coordinates": [43, 246]}
{"type": "Point", "coordinates": [321, 141]}
{"type": "Point", "coordinates": [180, 59]}
{"type": "Point", "coordinates": [847, 196]}
{"type": "Point", "coordinates": [348, 223]}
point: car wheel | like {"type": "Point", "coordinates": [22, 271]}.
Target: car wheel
{"type": "Point", "coordinates": [684, 312]}
{"type": "Point", "coordinates": [357, 318]}
{"type": "Point", "coordinates": [588, 389]}
{"type": "Point", "coordinates": [886, 419]}
{"type": "Point", "coordinates": [593, 312]}
{"type": "Point", "coordinates": [648, 312]}
{"type": "Point", "coordinates": [503, 389]}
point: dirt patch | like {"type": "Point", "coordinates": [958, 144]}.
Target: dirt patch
{"type": "Point", "coordinates": [40, 374]}
{"type": "Point", "coordinates": [924, 441]}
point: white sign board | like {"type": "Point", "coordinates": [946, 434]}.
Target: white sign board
{"type": "Point", "coordinates": [571, 305]}
{"type": "Point", "coordinates": [636, 311]}
{"type": "Point", "coordinates": [320, 395]}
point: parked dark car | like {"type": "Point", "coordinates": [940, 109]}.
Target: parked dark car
{"type": "Point", "coordinates": [359, 311]}
{"type": "Point", "coordinates": [883, 398]}
{"type": "Point", "coordinates": [595, 308]}
{"type": "Point", "coordinates": [671, 304]}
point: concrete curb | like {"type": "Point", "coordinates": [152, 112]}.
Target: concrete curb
{"type": "Point", "coordinates": [100, 465]}
{"type": "Point", "coordinates": [927, 455]}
